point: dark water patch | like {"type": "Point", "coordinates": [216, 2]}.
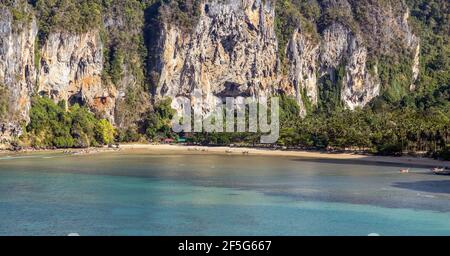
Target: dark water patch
{"type": "Point", "coordinates": [430, 186]}
{"type": "Point", "coordinates": [363, 162]}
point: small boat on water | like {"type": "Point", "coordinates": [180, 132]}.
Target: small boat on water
{"type": "Point", "coordinates": [441, 171]}
{"type": "Point", "coordinates": [404, 170]}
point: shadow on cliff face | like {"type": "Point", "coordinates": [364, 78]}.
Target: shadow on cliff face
{"type": "Point", "coordinates": [431, 186]}
{"type": "Point", "coordinates": [152, 34]}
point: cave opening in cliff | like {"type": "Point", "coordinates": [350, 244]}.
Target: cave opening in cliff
{"type": "Point", "coordinates": [76, 99]}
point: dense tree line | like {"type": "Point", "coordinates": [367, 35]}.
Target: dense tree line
{"type": "Point", "coordinates": [154, 126]}
{"type": "Point", "coordinates": [420, 124]}
{"type": "Point", "coordinates": [52, 125]}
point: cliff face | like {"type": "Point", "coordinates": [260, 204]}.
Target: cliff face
{"type": "Point", "coordinates": [17, 71]}
{"type": "Point", "coordinates": [341, 47]}
{"type": "Point", "coordinates": [231, 50]}
{"type": "Point", "coordinates": [71, 66]}
{"type": "Point", "coordinates": [303, 56]}
{"type": "Point", "coordinates": [70, 69]}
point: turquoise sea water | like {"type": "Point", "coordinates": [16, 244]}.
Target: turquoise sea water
{"type": "Point", "coordinates": [141, 194]}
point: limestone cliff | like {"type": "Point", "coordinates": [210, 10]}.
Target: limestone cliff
{"type": "Point", "coordinates": [349, 42]}
{"type": "Point", "coordinates": [17, 71]}
{"type": "Point", "coordinates": [303, 56]}
{"type": "Point", "coordinates": [71, 66]}
{"type": "Point", "coordinates": [341, 47]}
{"type": "Point", "coordinates": [232, 51]}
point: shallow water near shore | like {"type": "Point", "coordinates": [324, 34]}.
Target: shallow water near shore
{"type": "Point", "coordinates": [136, 193]}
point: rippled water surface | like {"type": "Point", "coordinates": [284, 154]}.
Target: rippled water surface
{"type": "Point", "coordinates": [143, 194]}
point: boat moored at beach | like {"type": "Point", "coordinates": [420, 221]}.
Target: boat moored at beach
{"type": "Point", "coordinates": [441, 171]}
{"type": "Point", "coordinates": [404, 170]}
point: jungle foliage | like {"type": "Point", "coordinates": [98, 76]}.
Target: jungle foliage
{"type": "Point", "coordinates": [51, 125]}
{"type": "Point", "coordinates": [4, 102]}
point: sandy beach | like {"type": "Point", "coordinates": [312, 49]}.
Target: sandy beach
{"type": "Point", "coordinates": [181, 149]}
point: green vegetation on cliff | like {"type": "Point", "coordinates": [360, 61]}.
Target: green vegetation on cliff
{"type": "Point", "coordinates": [20, 11]}
{"type": "Point", "coordinates": [291, 15]}
{"type": "Point", "coordinates": [67, 15]}
{"type": "Point", "coordinates": [52, 126]}
{"type": "Point", "coordinates": [181, 13]}
{"type": "Point", "coordinates": [4, 102]}
{"type": "Point", "coordinates": [431, 21]}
